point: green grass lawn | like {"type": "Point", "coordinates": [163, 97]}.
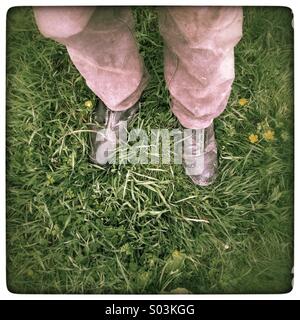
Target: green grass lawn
{"type": "Point", "coordinates": [74, 227]}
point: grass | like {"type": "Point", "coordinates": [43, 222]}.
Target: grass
{"type": "Point", "coordinates": [73, 227]}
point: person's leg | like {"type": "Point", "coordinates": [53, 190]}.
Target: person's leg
{"type": "Point", "coordinates": [199, 71]}
{"type": "Point", "coordinates": [199, 60]}
{"type": "Point", "coordinates": [102, 46]}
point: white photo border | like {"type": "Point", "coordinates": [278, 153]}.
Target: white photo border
{"type": "Point", "coordinates": [5, 5]}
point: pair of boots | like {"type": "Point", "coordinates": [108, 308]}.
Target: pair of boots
{"type": "Point", "coordinates": [202, 172]}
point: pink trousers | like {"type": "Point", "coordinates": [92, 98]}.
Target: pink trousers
{"type": "Point", "coordinates": [198, 55]}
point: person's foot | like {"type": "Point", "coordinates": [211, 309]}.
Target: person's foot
{"type": "Point", "coordinates": [200, 161]}
{"type": "Point", "coordinates": [104, 138]}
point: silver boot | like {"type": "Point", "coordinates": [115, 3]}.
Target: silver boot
{"type": "Point", "coordinates": [200, 161]}
{"type": "Point", "coordinates": [105, 135]}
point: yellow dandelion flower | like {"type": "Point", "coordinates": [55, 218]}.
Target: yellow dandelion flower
{"type": "Point", "coordinates": [243, 101]}
{"type": "Point", "coordinates": [176, 254]}
{"type": "Point", "coordinates": [269, 135]}
{"type": "Point", "coordinates": [253, 138]}
{"type": "Point", "coordinates": [88, 104]}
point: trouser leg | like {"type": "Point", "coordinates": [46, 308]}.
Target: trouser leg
{"type": "Point", "coordinates": [102, 46]}
{"type": "Point", "coordinates": [199, 60]}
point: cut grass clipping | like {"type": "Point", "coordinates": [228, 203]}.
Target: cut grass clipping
{"type": "Point", "coordinates": [74, 227]}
